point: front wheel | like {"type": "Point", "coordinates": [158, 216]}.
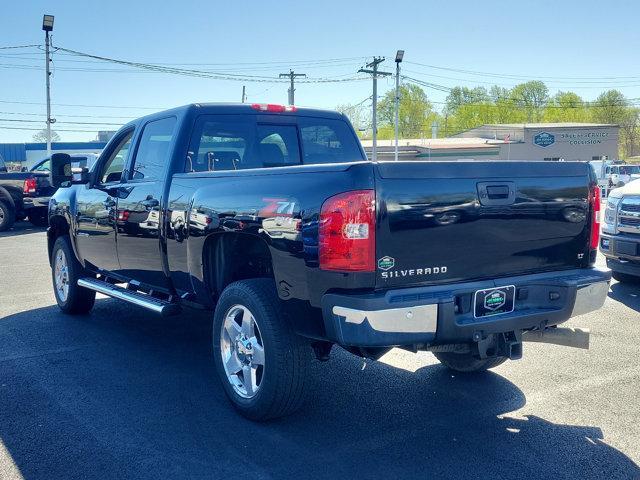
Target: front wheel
{"type": "Point", "coordinates": [65, 272]}
{"type": "Point", "coordinates": [261, 362]}
{"type": "Point", "coordinates": [7, 216]}
{"type": "Point", "coordinates": [467, 362]}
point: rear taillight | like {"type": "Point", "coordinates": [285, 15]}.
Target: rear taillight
{"type": "Point", "coordinates": [123, 215]}
{"type": "Point", "coordinates": [594, 203]}
{"type": "Point", "coordinates": [30, 185]}
{"type": "Point", "coordinates": [346, 233]}
{"type": "Point", "coordinates": [273, 108]}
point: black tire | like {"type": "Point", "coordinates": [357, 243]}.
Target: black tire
{"type": "Point", "coordinates": [466, 362]}
{"type": "Point", "coordinates": [625, 277]}
{"type": "Point", "coordinates": [284, 376]}
{"type": "Point", "coordinates": [7, 216]}
{"type": "Point", "coordinates": [38, 217]}
{"type": "Point", "coordinates": [78, 300]}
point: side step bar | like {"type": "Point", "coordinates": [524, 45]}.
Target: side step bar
{"type": "Point", "coordinates": [156, 305]}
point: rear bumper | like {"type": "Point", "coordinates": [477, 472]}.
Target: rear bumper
{"type": "Point", "coordinates": [443, 314]}
{"type": "Point", "coordinates": [35, 202]}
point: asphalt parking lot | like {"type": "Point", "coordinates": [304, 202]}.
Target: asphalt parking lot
{"type": "Point", "coordinates": [123, 394]}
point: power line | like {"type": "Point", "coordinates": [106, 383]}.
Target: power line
{"type": "Point", "coordinates": [11, 47]}
{"type": "Point", "coordinates": [204, 73]}
{"type": "Point", "coordinates": [64, 122]}
{"type": "Point", "coordinates": [519, 76]}
{"type": "Point", "coordinates": [65, 115]}
{"type": "Point", "coordinates": [82, 105]}
{"type": "Point", "coordinates": [55, 130]}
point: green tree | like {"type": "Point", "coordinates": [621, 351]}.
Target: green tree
{"type": "Point", "coordinates": [359, 115]}
{"type": "Point", "coordinates": [613, 107]}
{"type": "Point", "coordinates": [461, 96]}
{"type": "Point", "coordinates": [531, 97]}
{"type": "Point", "coordinates": [41, 136]}
{"type": "Point", "coordinates": [415, 113]}
{"type": "Point", "coordinates": [610, 107]}
{"type": "Point", "coordinates": [566, 107]}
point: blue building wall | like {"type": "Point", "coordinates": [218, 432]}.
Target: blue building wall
{"type": "Point", "coordinates": [13, 152]}
{"type": "Point", "coordinates": [17, 152]}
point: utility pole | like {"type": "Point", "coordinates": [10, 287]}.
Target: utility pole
{"type": "Point", "coordinates": [374, 74]}
{"type": "Point", "coordinates": [244, 95]}
{"type": "Point", "coordinates": [399, 56]}
{"type": "Point", "coordinates": [47, 26]}
{"type": "Point", "coordinates": [292, 75]}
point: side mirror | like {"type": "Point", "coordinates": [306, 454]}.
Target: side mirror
{"type": "Point", "coordinates": [60, 174]}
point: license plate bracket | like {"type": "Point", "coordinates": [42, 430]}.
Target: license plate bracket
{"type": "Point", "coordinates": [494, 301]}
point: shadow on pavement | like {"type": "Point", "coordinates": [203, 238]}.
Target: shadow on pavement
{"type": "Point", "coordinates": [22, 228]}
{"type": "Point", "coordinates": [627, 294]}
{"type": "Point", "coordinates": [124, 394]}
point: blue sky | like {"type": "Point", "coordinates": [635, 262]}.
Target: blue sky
{"type": "Point", "coordinates": [577, 40]}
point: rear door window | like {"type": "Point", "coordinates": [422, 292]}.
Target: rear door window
{"type": "Point", "coordinates": [328, 141]}
{"type": "Point", "coordinates": [240, 142]}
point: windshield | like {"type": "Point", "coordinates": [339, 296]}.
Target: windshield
{"type": "Point", "coordinates": [630, 170]}
{"type": "Point", "coordinates": [44, 166]}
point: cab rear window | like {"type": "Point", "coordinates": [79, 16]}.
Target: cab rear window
{"type": "Point", "coordinates": [241, 142]}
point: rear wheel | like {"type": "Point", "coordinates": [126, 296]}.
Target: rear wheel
{"type": "Point", "coordinates": [38, 217]}
{"type": "Point", "coordinates": [65, 272]}
{"type": "Point", "coordinates": [261, 362]}
{"type": "Point", "coordinates": [467, 362]}
{"type": "Point", "coordinates": [625, 277]}
{"type": "Point", "coordinates": [7, 216]}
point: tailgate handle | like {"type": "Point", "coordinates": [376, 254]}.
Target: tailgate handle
{"type": "Point", "coordinates": [494, 192]}
{"type": "Point", "coordinates": [497, 193]}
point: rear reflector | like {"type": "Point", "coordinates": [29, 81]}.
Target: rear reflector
{"type": "Point", "coordinates": [346, 232]}
{"type": "Point", "coordinates": [273, 108]}
{"type": "Point", "coordinates": [30, 185]}
{"type": "Point", "coordinates": [594, 201]}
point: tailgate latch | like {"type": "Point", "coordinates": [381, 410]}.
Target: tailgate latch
{"type": "Point", "coordinates": [496, 193]}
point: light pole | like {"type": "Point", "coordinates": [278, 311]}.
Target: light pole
{"type": "Point", "coordinates": [47, 26]}
{"type": "Point", "coordinates": [399, 56]}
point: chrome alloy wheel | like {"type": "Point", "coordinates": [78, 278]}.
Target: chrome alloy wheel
{"type": "Point", "coordinates": [61, 275]}
{"type": "Point", "coordinates": [242, 351]}
{"type": "Point", "coordinates": [1, 216]}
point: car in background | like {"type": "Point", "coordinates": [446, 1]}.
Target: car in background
{"type": "Point", "coordinates": [620, 242]}
{"type": "Point", "coordinates": [23, 195]}
{"type": "Point", "coordinates": [614, 175]}
{"type": "Point", "coordinates": [87, 160]}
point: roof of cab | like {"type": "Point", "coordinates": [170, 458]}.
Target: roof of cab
{"type": "Point", "coordinates": [236, 108]}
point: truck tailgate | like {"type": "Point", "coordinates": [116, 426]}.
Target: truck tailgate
{"type": "Point", "coordinates": [443, 222]}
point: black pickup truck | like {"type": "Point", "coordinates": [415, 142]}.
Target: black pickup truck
{"type": "Point", "coordinates": [22, 195]}
{"type": "Point", "coordinates": [272, 217]}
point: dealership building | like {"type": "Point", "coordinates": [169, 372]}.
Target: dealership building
{"type": "Point", "coordinates": [528, 141]}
